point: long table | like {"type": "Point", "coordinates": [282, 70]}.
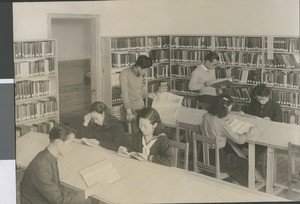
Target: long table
{"type": "Point", "coordinates": [273, 135]}
{"type": "Point", "coordinates": [141, 182]}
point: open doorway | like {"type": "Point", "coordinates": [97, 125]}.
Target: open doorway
{"type": "Point", "coordinates": [77, 54]}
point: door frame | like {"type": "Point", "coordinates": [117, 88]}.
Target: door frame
{"type": "Point", "coordinates": [96, 74]}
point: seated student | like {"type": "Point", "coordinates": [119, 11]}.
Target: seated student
{"type": "Point", "coordinates": [101, 125]}
{"type": "Point", "coordinates": [150, 140]}
{"type": "Point", "coordinates": [202, 77]}
{"type": "Point", "coordinates": [262, 106]}
{"type": "Point", "coordinates": [215, 124]}
{"type": "Point", "coordinates": [40, 183]}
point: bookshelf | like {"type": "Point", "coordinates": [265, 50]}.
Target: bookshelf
{"type": "Point", "coordinates": [36, 86]}
{"type": "Point", "coordinates": [248, 60]}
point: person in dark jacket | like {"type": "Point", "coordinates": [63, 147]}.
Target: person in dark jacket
{"type": "Point", "coordinates": [150, 140]}
{"type": "Point", "coordinates": [101, 125]}
{"type": "Point", "coordinates": [40, 183]}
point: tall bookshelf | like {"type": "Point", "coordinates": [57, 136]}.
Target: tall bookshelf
{"type": "Point", "coordinates": [36, 86]}
{"type": "Point", "coordinates": [248, 60]}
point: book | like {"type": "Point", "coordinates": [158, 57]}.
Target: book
{"type": "Point", "coordinates": [222, 83]}
{"type": "Point", "coordinates": [100, 172]}
{"type": "Point", "coordinates": [239, 126]}
{"type": "Point", "coordinates": [167, 104]}
{"type": "Point", "coordinates": [135, 155]}
{"type": "Point", "coordinates": [90, 142]}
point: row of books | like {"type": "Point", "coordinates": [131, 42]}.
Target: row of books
{"type": "Point", "coordinates": [158, 87]}
{"type": "Point", "coordinates": [238, 93]}
{"type": "Point", "coordinates": [158, 42]}
{"type": "Point", "coordinates": [182, 71]}
{"type": "Point", "coordinates": [43, 127]}
{"type": "Point", "coordinates": [116, 94]}
{"type": "Point", "coordinates": [33, 49]}
{"type": "Point", "coordinates": [250, 76]}
{"type": "Point", "coordinates": [286, 61]}
{"type": "Point", "coordinates": [286, 44]}
{"type": "Point", "coordinates": [240, 107]}
{"type": "Point", "coordinates": [239, 43]}
{"type": "Point", "coordinates": [157, 72]}
{"type": "Point", "coordinates": [202, 42]}
{"type": "Point", "coordinates": [37, 109]}
{"type": "Point", "coordinates": [188, 56]}
{"type": "Point", "coordinates": [118, 111]}
{"type": "Point", "coordinates": [254, 59]}
{"type": "Point", "coordinates": [33, 89]}
{"type": "Point", "coordinates": [159, 55]}
{"type": "Point", "coordinates": [291, 116]}
{"type": "Point", "coordinates": [286, 98]}
{"type": "Point", "coordinates": [123, 59]}
{"type": "Point", "coordinates": [34, 68]}
{"type": "Point", "coordinates": [127, 43]}
{"type": "Point", "coordinates": [282, 79]}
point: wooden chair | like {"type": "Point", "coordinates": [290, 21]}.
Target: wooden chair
{"type": "Point", "coordinates": [176, 147]}
{"type": "Point", "coordinates": [206, 165]}
{"type": "Point", "coordinates": [293, 170]}
{"type": "Point", "coordinates": [189, 129]}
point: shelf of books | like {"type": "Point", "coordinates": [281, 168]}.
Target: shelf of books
{"type": "Point", "coordinates": [36, 86]}
{"type": "Point", "coordinates": [246, 60]}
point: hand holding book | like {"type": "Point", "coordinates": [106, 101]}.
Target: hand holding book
{"type": "Point", "coordinates": [123, 152]}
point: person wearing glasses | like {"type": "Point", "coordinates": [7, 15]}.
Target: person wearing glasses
{"type": "Point", "coordinates": [132, 90]}
{"type": "Point", "coordinates": [263, 106]}
{"type": "Point", "coordinates": [203, 76]}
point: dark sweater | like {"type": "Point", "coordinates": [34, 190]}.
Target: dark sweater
{"type": "Point", "coordinates": [161, 149]}
{"type": "Point", "coordinates": [109, 138]}
{"type": "Point", "coordinates": [271, 109]}
{"type": "Point", "coordinates": [40, 183]}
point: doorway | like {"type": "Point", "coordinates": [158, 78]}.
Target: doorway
{"type": "Point", "coordinates": [78, 64]}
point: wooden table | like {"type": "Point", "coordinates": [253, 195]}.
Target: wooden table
{"type": "Point", "coordinates": [141, 182]}
{"type": "Point", "coordinates": [273, 135]}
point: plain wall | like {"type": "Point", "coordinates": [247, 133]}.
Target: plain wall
{"type": "Point", "coordinates": [155, 17]}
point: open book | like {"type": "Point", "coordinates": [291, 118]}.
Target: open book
{"type": "Point", "coordinates": [100, 172]}
{"type": "Point", "coordinates": [222, 83]}
{"type": "Point", "coordinates": [135, 155]}
{"type": "Point", "coordinates": [167, 104]}
{"type": "Point", "coordinates": [240, 127]}
{"type": "Point", "coordinates": [90, 142]}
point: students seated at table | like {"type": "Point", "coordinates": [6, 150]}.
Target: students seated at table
{"type": "Point", "coordinates": [150, 139]}
{"type": "Point", "coordinates": [101, 125]}
{"type": "Point", "coordinates": [41, 183]}
{"type": "Point", "coordinates": [263, 106]}
{"type": "Point", "coordinates": [215, 124]}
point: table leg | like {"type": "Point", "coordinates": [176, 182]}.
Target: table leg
{"type": "Point", "coordinates": [270, 170]}
{"type": "Point", "coordinates": [251, 164]}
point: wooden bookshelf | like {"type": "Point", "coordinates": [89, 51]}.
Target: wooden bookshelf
{"type": "Point", "coordinates": [36, 86]}
{"type": "Point", "coordinates": [248, 60]}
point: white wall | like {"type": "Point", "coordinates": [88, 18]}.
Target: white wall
{"type": "Point", "coordinates": [147, 17]}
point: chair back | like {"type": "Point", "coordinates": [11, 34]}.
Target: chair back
{"type": "Point", "coordinates": [176, 147]}
{"type": "Point", "coordinates": [189, 129]}
{"type": "Point", "coordinates": [205, 165]}
{"type": "Point", "coordinates": [294, 167]}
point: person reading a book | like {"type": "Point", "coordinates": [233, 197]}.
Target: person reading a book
{"type": "Point", "coordinates": [202, 78]}
{"type": "Point", "coordinates": [132, 90]}
{"type": "Point", "coordinates": [263, 106]}
{"type": "Point", "coordinates": [216, 124]}
{"type": "Point", "coordinates": [150, 141]}
{"type": "Point", "coordinates": [101, 125]}
{"type": "Point", "coordinates": [41, 183]}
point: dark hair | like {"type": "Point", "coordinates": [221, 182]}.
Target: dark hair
{"type": "Point", "coordinates": [260, 90]}
{"type": "Point", "coordinates": [101, 108]}
{"type": "Point", "coordinates": [219, 106]}
{"type": "Point", "coordinates": [143, 61]}
{"type": "Point", "coordinates": [152, 115]}
{"type": "Point", "coordinates": [211, 56]}
{"type": "Point", "coordinates": [60, 131]}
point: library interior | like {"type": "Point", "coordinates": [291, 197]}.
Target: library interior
{"type": "Point", "coordinates": [84, 65]}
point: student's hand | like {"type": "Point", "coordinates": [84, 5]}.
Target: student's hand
{"type": "Point", "coordinates": [87, 118]}
{"type": "Point", "coordinates": [208, 83]}
{"type": "Point", "coordinates": [122, 149]}
{"type": "Point", "coordinates": [267, 118]}
{"type": "Point", "coordinates": [152, 95]}
{"type": "Point", "coordinates": [242, 113]}
{"type": "Point", "coordinates": [129, 115]}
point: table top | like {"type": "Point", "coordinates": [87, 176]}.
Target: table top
{"type": "Point", "coordinates": [141, 182]}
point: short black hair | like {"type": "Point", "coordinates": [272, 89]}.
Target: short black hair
{"type": "Point", "coordinates": [143, 61]}
{"type": "Point", "coordinates": [219, 106]}
{"type": "Point", "coordinates": [60, 131]}
{"type": "Point", "coordinates": [152, 115]}
{"type": "Point", "coordinates": [260, 90]}
{"type": "Point", "coordinates": [211, 56]}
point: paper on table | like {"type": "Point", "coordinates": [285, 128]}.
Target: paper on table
{"type": "Point", "coordinates": [240, 127]}
{"type": "Point", "coordinates": [100, 172]}
{"type": "Point", "coordinates": [167, 104]}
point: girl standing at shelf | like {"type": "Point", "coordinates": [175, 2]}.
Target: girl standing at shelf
{"type": "Point", "coordinates": [150, 140]}
{"type": "Point", "coordinates": [202, 78]}
{"type": "Point", "coordinates": [99, 124]}
{"type": "Point", "coordinates": [132, 90]}
{"type": "Point", "coordinates": [215, 124]}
